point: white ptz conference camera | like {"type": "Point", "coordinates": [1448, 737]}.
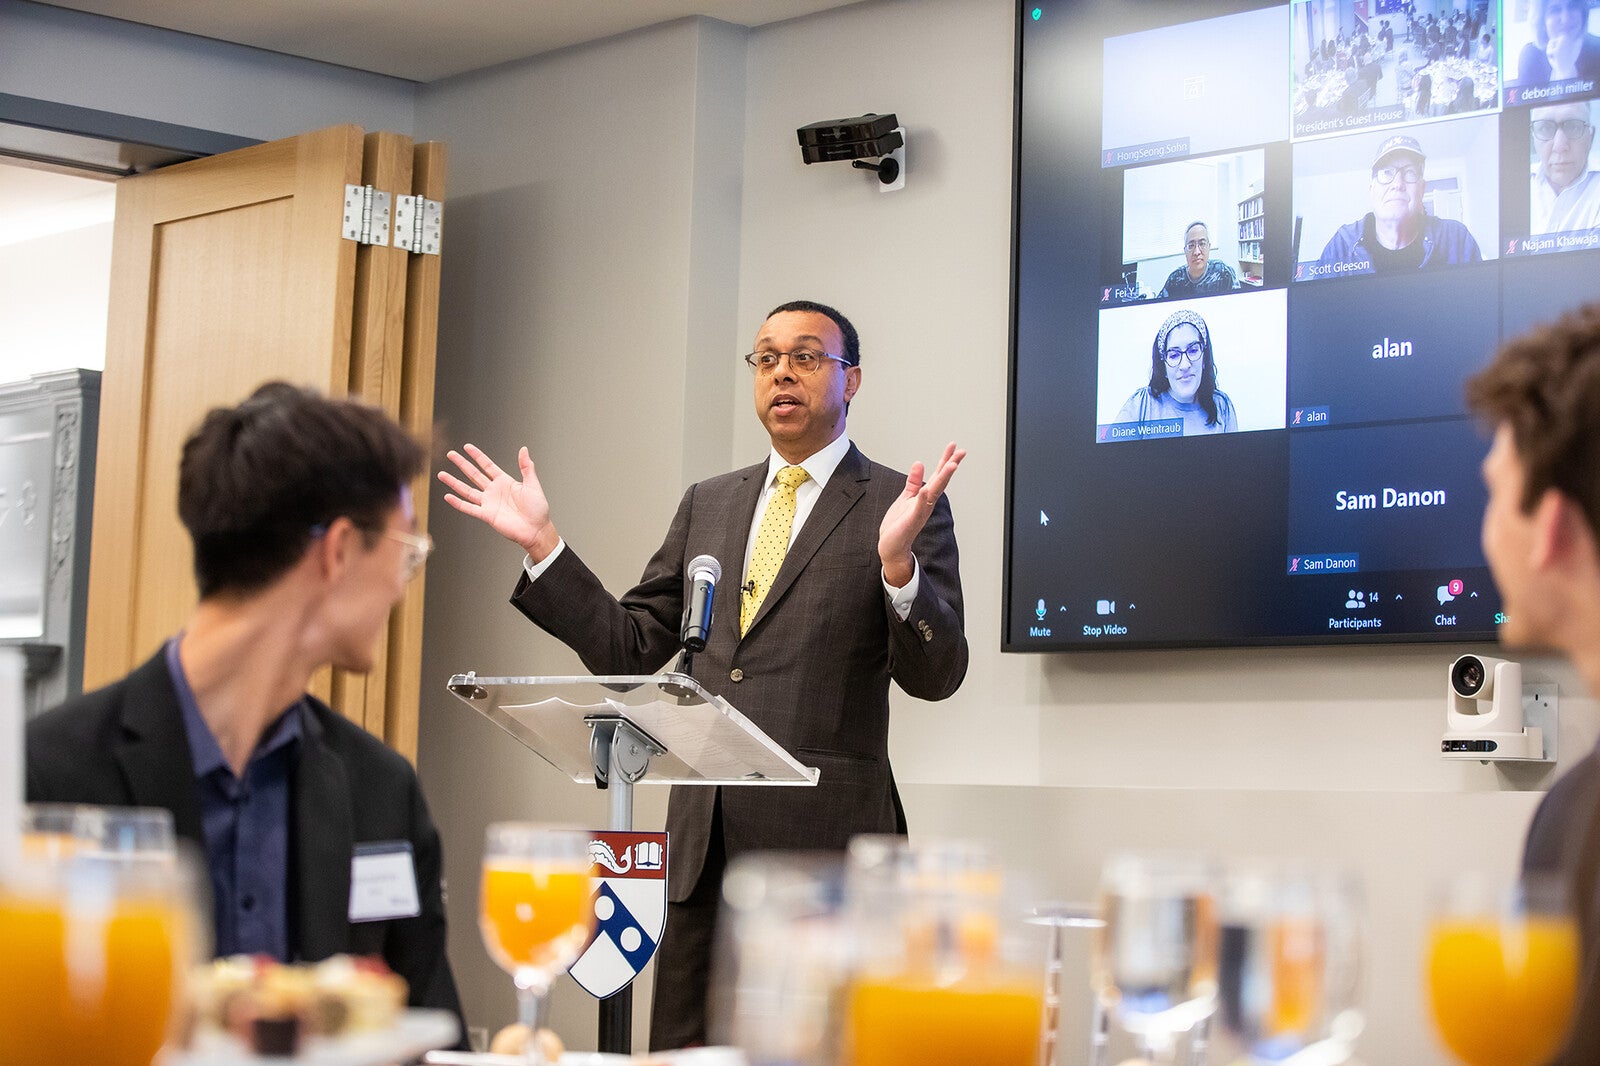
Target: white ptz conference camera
{"type": "Point", "coordinates": [1472, 677]}
{"type": "Point", "coordinates": [1489, 717]}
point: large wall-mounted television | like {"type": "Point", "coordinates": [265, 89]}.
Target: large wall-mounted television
{"type": "Point", "coordinates": [1258, 249]}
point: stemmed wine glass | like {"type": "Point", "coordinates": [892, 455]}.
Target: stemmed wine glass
{"type": "Point", "coordinates": [1155, 960]}
{"type": "Point", "coordinates": [1290, 965]}
{"type": "Point", "coordinates": [1502, 970]}
{"type": "Point", "coordinates": [783, 959]}
{"type": "Point", "coordinates": [1058, 917]}
{"type": "Point", "coordinates": [535, 910]}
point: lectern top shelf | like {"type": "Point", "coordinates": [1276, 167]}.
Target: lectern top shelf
{"type": "Point", "coordinates": [706, 740]}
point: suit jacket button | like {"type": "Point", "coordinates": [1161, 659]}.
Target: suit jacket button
{"type": "Point", "coordinates": [736, 674]}
{"type": "Point", "coordinates": [925, 629]}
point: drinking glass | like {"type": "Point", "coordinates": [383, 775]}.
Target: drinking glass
{"type": "Point", "coordinates": [1502, 970]}
{"type": "Point", "coordinates": [59, 829]}
{"type": "Point", "coordinates": [948, 972]}
{"type": "Point", "coordinates": [1289, 966]}
{"type": "Point", "coordinates": [99, 939]}
{"type": "Point", "coordinates": [1058, 917]}
{"type": "Point", "coordinates": [1155, 960]}
{"type": "Point", "coordinates": [535, 909]}
{"type": "Point", "coordinates": [131, 832]}
{"type": "Point", "coordinates": [782, 960]}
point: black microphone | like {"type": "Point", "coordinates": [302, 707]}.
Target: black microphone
{"type": "Point", "coordinates": [704, 572]}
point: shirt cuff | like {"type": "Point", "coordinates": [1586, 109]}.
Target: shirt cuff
{"type": "Point", "coordinates": [902, 599]}
{"type": "Point", "coordinates": [534, 569]}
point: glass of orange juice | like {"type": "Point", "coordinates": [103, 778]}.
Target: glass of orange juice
{"type": "Point", "coordinates": [946, 971]}
{"type": "Point", "coordinates": [98, 941]}
{"type": "Point", "coordinates": [535, 909]}
{"type": "Point", "coordinates": [1502, 970]}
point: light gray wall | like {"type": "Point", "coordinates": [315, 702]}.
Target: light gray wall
{"type": "Point", "coordinates": [69, 57]}
{"type": "Point", "coordinates": [1328, 754]}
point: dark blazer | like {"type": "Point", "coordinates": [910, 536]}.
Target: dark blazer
{"type": "Point", "coordinates": [124, 745]}
{"type": "Point", "coordinates": [813, 671]}
{"type": "Point", "coordinates": [1564, 839]}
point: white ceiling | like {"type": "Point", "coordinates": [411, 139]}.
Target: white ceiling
{"type": "Point", "coordinates": [424, 40]}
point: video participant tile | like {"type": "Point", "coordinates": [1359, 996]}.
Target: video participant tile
{"type": "Point", "coordinates": [1383, 349]}
{"type": "Point", "coordinates": [1174, 91]}
{"type": "Point", "coordinates": [1403, 497]}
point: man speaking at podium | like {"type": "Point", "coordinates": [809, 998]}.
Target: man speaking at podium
{"type": "Point", "coordinates": [849, 578]}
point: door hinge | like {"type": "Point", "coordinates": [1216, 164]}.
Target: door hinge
{"type": "Point", "coordinates": [366, 215]}
{"type": "Point", "coordinates": [418, 224]}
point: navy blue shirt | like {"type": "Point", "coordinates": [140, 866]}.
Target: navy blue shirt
{"type": "Point", "coordinates": [246, 826]}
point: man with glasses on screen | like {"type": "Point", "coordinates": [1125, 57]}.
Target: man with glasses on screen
{"type": "Point", "coordinates": [1397, 235]}
{"type": "Point", "coordinates": [300, 514]}
{"type": "Point", "coordinates": [1200, 275]}
{"type": "Point", "coordinates": [1541, 536]}
{"type": "Point", "coordinates": [843, 576]}
{"type": "Point", "coordinates": [1565, 193]}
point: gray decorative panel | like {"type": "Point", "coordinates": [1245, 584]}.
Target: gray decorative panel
{"type": "Point", "coordinates": [48, 428]}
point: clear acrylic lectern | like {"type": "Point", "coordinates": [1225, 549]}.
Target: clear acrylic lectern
{"type": "Point", "coordinates": [613, 732]}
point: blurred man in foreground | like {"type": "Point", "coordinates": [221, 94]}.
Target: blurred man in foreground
{"type": "Point", "coordinates": [303, 535]}
{"type": "Point", "coordinates": [1541, 534]}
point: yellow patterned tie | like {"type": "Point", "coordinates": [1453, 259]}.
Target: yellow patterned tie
{"type": "Point", "coordinates": [772, 543]}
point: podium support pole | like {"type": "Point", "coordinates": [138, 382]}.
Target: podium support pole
{"type": "Point", "coordinates": [621, 754]}
{"type": "Point", "coordinates": [613, 730]}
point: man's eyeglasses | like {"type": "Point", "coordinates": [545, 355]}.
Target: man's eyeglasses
{"type": "Point", "coordinates": [1544, 129]}
{"type": "Point", "coordinates": [418, 547]}
{"type": "Point", "coordinates": [1385, 175]}
{"type": "Point", "coordinates": [1197, 246]}
{"type": "Point", "coordinates": [1192, 352]}
{"type": "Point", "coordinates": [801, 361]}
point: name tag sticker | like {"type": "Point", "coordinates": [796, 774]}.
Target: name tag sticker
{"type": "Point", "coordinates": [383, 882]}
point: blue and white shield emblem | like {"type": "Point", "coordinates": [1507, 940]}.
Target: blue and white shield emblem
{"type": "Point", "coordinates": [630, 907]}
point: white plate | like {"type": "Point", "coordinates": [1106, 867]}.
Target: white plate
{"type": "Point", "coordinates": [482, 1058]}
{"type": "Point", "coordinates": [689, 1057]}
{"type": "Point", "coordinates": [415, 1032]}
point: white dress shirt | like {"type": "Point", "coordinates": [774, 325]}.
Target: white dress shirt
{"type": "Point", "coordinates": [1577, 207]}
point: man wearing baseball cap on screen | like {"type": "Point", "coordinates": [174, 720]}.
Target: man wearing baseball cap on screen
{"type": "Point", "coordinates": [1397, 234]}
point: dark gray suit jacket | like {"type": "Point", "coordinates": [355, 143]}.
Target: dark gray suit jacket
{"type": "Point", "coordinates": [813, 671]}
{"type": "Point", "coordinates": [1564, 839]}
{"type": "Point", "coordinates": [124, 745]}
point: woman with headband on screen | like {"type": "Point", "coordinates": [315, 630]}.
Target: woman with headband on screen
{"type": "Point", "coordinates": [1183, 380]}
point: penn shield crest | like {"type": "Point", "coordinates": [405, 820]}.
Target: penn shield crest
{"type": "Point", "coordinates": [630, 907]}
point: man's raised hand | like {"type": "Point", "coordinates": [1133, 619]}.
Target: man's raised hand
{"type": "Point", "coordinates": [515, 509]}
{"type": "Point", "coordinates": [909, 513]}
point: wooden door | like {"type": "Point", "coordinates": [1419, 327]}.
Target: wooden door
{"type": "Point", "coordinates": [226, 272]}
